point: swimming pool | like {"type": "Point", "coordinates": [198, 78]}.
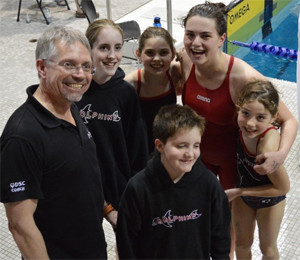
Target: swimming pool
{"type": "Point", "coordinates": [284, 34]}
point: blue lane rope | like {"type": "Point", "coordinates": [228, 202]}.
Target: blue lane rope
{"type": "Point", "coordinates": [269, 49]}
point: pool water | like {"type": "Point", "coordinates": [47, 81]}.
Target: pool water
{"type": "Point", "coordinates": [284, 34]}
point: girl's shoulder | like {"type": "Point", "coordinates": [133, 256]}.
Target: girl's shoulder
{"type": "Point", "coordinates": [269, 142]}
{"type": "Point", "coordinates": [244, 72]}
{"type": "Point", "coordinates": [132, 78]}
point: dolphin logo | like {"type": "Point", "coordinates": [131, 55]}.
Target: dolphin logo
{"type": "Point", "coordinates": [167, 220]}
{"type": "Point", "coordinates": [85, 113]}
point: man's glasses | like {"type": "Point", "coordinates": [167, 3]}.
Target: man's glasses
{"type": "Point", "coordinates": [72, 68]}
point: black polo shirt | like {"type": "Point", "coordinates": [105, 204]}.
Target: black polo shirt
{"type": "Point", "coordinates": [51, 160]}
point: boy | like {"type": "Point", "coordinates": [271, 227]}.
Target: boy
{"type": "Point", "coordinates": [175, 207]}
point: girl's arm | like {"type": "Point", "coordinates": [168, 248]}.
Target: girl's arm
{"type": "Point", "coordinates": [176, 74]}
{"type": "Point", "coordinates": [280, 186]}
{"type": "Point", "coordinates": [132, 78]}
{"type": "Point", "coordinates": [266, 162]}
{"type": "Point", "coordinates": [183, 66]}
{"type": "Point", "coordinates": [269, 161]}
{"type": "Point", "coordinates": [280, 181]}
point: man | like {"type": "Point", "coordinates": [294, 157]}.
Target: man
{"type": "Point", "coordinates": [50, 179]}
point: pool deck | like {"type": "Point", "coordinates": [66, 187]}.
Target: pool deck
{"type": "Point", "coordinates": [18, 72]}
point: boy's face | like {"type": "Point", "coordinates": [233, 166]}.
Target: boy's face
{"type": "Point", "coordinates": [180, 152]}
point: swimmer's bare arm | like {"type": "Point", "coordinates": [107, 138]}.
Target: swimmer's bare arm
{"type": "Point", "coordinates": [176, 74]}
{"type": "Point", "coordinates": [131, 77]}
{"type": "Point", "coordinates": [280, 181]}
{"type": "Point", "coordinates": [267, 162]}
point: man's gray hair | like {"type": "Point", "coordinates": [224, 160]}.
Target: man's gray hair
{"type": "Point", "coordinates": [46, 45]}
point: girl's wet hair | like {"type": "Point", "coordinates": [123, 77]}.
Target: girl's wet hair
{"type": "Point", "coordinates": [216, 11]}
{"type": "Point", "coordinates": [261, 91]}
{"type": "Point", "coordinates": [95, 28]}
{"type": "Point", "coordinates": [152, 32]}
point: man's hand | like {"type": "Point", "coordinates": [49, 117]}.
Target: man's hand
{"type": "Point", "coordinates": [179, 54]}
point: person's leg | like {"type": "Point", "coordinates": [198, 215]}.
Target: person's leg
{"type": "Point", "coordinates": [77, 3]}
{"type": "Point", "coordinates": [79, 13]}
{"type": "Point", "coordinates": [227, 175]}
{"type": "Point", "coordinates": [243, 219]}
{"type": "Point", "coordinates": [269, 222]}
{"type": "Point", "coordinates": [61, 2]}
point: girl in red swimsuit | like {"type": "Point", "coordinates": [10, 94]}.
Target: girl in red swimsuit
{"type": "Point", "coordinates": [212, 80]}
{"type": "Point", "coordinates": [157, 81]}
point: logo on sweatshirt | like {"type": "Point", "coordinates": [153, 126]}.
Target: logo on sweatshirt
{"type": "Point", "coordinates": [87, 114]}
{"type": "Point", "coordinates": [168, 219]}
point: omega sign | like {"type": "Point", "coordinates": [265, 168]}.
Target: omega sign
{"type": "Point", "coordinates": [239, 13]}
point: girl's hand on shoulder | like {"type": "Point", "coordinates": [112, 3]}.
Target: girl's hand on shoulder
{"type": "Point", "coordinates": [179, 54]}
{"type": "Point", "coordinates": [268, 162]}
{"type": "Point", "coordinates": [269, 158]}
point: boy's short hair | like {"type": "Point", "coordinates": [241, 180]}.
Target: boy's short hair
{"type": "Point", "coordinates": [172, 118]}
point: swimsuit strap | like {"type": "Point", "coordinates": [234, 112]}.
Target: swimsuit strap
{"type": "Point", "coordinates": [139, 83]}
{"type": "Point", "coordinates": [262, 135]}
{"type": "Point", "coordinates": [230, 65]}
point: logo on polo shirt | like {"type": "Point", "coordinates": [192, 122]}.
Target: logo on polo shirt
{"type": "Point", "coordinates": [17, 186]}
{"type": "Point", "coordinates": [87, 114]}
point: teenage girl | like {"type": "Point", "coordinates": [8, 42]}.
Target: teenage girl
{"type": "Point", "coordinates": [258, 198]}
{"type": "Point", "coordinates": [111, 111]}
{"type": "Point", "coordinates": [212, 81]}
{"type": "Point", "coordinates": [157, 81]}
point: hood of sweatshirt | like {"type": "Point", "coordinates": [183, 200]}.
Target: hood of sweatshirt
{"type": "Point", "coordinates": [113, 82]}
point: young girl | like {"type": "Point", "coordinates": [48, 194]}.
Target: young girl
{"type": "Point", "coordinates": [111, 111]}
{"type": "Point", "coordinates": [258, 198]}
{"type": "Point", "coordinates": [156, 83]}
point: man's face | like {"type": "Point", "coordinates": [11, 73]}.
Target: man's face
{"type": "Point", "coordinates": [68, 75]}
